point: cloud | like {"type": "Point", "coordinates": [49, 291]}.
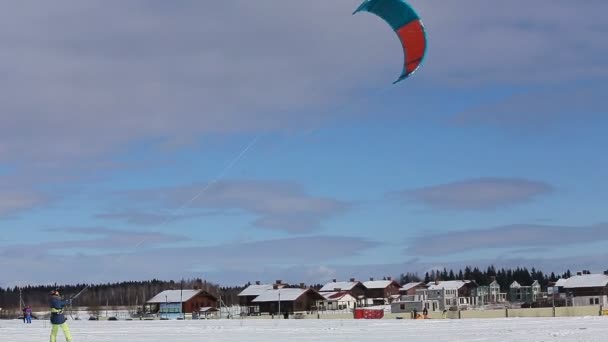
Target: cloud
{"type": "Point", "coordinates": [476, 194]}
{"type": "Point", "coordinates": [282, 206]}
{"type": "Point", "coordinates": [539, 107]}
{"type": "Point", "coordinates": [12, 202]}
{"type": "Point", "coordinates": [97, 239]}
{"type": "Point", "coordinates": [477, 42]}
{"type": "Point", "coordinates": [172, 262]}
{"type": "Point", "coordinates": [140, 218]}
{"type": "Point", "coordinates": [77, 84]}
{"type": "Point", "coordinates": [516, 236]}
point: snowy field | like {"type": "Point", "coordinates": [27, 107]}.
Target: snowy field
{"type": "Point", "coordinates": [514, 329]}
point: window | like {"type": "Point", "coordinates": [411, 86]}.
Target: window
{"type": "Point", "coordinates": [590, 301]}
{"type": "Point", "coordinates": [402, 307]}
{"type": "Point", "coordinates": [597, 301]}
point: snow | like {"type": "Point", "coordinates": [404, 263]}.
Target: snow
{"type": "Point", "coordinates": [256, 330]}
{"type": "Point", "coordinates": [448, 285]}
{"type": "Point", "coordinates": [587, 280]}
{"type": "Point", "coordinates": [377, 284]}
{"type": "Point", "coordinates": [255, 290]}
{"type": "Point", "coordinates": [341, 285]}
{"type": "Point", "coordinates": [282, 294]}
{"type": "Point", "coordinates": [174, 296]}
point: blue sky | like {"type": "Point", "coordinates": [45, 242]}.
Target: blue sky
{"type": "Point", "coordinates": [241, 141]}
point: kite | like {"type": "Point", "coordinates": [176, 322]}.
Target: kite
{"type": "Point", "coordinates": [408, 26]}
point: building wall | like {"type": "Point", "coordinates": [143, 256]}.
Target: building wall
{"type": "Point", "coordinates": [200, 301]}
{"type": "Point", "coordinates": [590, 300]}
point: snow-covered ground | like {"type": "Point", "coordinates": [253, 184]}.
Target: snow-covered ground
{"type": "Point", "coordinates": [514, 329]}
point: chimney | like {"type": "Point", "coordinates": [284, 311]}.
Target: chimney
{"type": "Point", "coordinates": [371, 278]}
{"type": "Point", "coordinates": [257, 282]}
{"type": "Point", "coordinates": [302, 285]}
{"type": "Point", "coordinates": [279, 282]}
{"type": "Point", "coordinates": [352, 280]}
{"type": "Point", "coordinates": [579, 273]}
{"type": "Point", "coordinates": [606, 272]}
{"type": "Point", "coordinates": [389, 278]}
{"type": "Point", "coordinates": [334, 280]}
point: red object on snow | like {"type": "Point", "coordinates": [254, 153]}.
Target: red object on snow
{"type": "Point", "coordinates": [368, 314]}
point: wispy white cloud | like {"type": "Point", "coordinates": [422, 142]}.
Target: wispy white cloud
{"type": "Point", "coordinates": [12, 202]}
{"type": "Point", "coordinates": [282, 206]}
{"type": "Point", "coordinates": [540, 108]}
{"type": "Point", "coordinates": [166, 262]}
{"type": "Point", "coordinates": [476, 194]}
{"type": "Point", "coordinates": [517, 237]}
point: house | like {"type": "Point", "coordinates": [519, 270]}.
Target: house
{"type": "Point", "coordinates": [490, 294]}
{"type": "Point", "coordinates": [524, 294]}
{"type": "Point", "coordinates": [353, 287]}
{"type": "Point", "coordinates": [417, 301]}
{"type": "Point", "coordinates": [173, 304]}
{"type": "Point", "coordinates": [252, 291]}
{"type": "Point", "coordinates": [381, 292]}
{"type": "Point", "coordinates": [587, 289]}
{"type": "Point", "coordinates": [342, 300]}
{"type": "Point", "coordinates": [287, 300]}
{"type": "Point", "coordinates": [409, 289]}
{"type": "Point", "coordinates": [453, 293]}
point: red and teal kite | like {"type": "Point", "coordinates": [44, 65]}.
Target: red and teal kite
{"type": "Point", "coordinates": [408, 26]}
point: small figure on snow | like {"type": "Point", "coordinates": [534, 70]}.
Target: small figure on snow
{"type": "Point", "coordinates": [27, 314]}
{"type": "Point", "coordinates": [58, 319]}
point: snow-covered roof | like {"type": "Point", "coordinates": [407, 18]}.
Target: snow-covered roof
{"type": "Point", "coordinates": [174, 296]}
{"type": "Point", "coordinates": [335, 295]}
{"type": "Point", "coordinates": [255, 290]}
{"type": "Point", "coordinates": [450, 284]}
{"type": "Point", "coordinates": [282, 294]}
{"type": "Point", "coordinates": [339, 286]}
{"type": "Point", "coordinates": [515, 285]}
{"type": "Point", "coordinates": [561, 282]}
{"type": "Point", "coordinates": [587, 280]}
{"type": "Point", "coordinates": [378, 284]}
{"type": "Point", "coordinates": [410, 286]}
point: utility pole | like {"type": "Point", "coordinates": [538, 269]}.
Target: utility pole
{"type": "Point", "coordinates": [181, 299]}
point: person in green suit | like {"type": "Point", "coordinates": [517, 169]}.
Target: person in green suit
{"type": "Point", "coordinates": [58, 319]}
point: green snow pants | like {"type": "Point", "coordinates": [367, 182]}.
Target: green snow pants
{"type": "Point", "coordinates": [66, 332]}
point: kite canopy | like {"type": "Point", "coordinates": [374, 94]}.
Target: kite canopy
{"type": "Point", "coordinates": [408, 26]}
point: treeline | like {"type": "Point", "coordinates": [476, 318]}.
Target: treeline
{"type": "Point", "coordinates": [504, 277]}
{"type": "Point", "coordinates": [131, 293]}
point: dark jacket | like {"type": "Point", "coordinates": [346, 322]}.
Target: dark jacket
{"type": "Point", "coordinates": [57, 305]}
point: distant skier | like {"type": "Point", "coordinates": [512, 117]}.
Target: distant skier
{"type": "Point", "coordinates": [58, 319]}
{"type": "Point", "coordinates": [27, 314]}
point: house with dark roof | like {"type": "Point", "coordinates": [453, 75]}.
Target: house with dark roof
{"type": "Point", "coordinates": [174, 304]}
{"type": "Point", "coordinates": [333, 301]}
{"type": "Point", "coordinates": [410, 289]}
{"type": "Point", "coordinates": [381, 292]}
{"type": "Point", "coordinates": [353, 287]}
{"type": "Point", "coordinates": [287, 300]}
